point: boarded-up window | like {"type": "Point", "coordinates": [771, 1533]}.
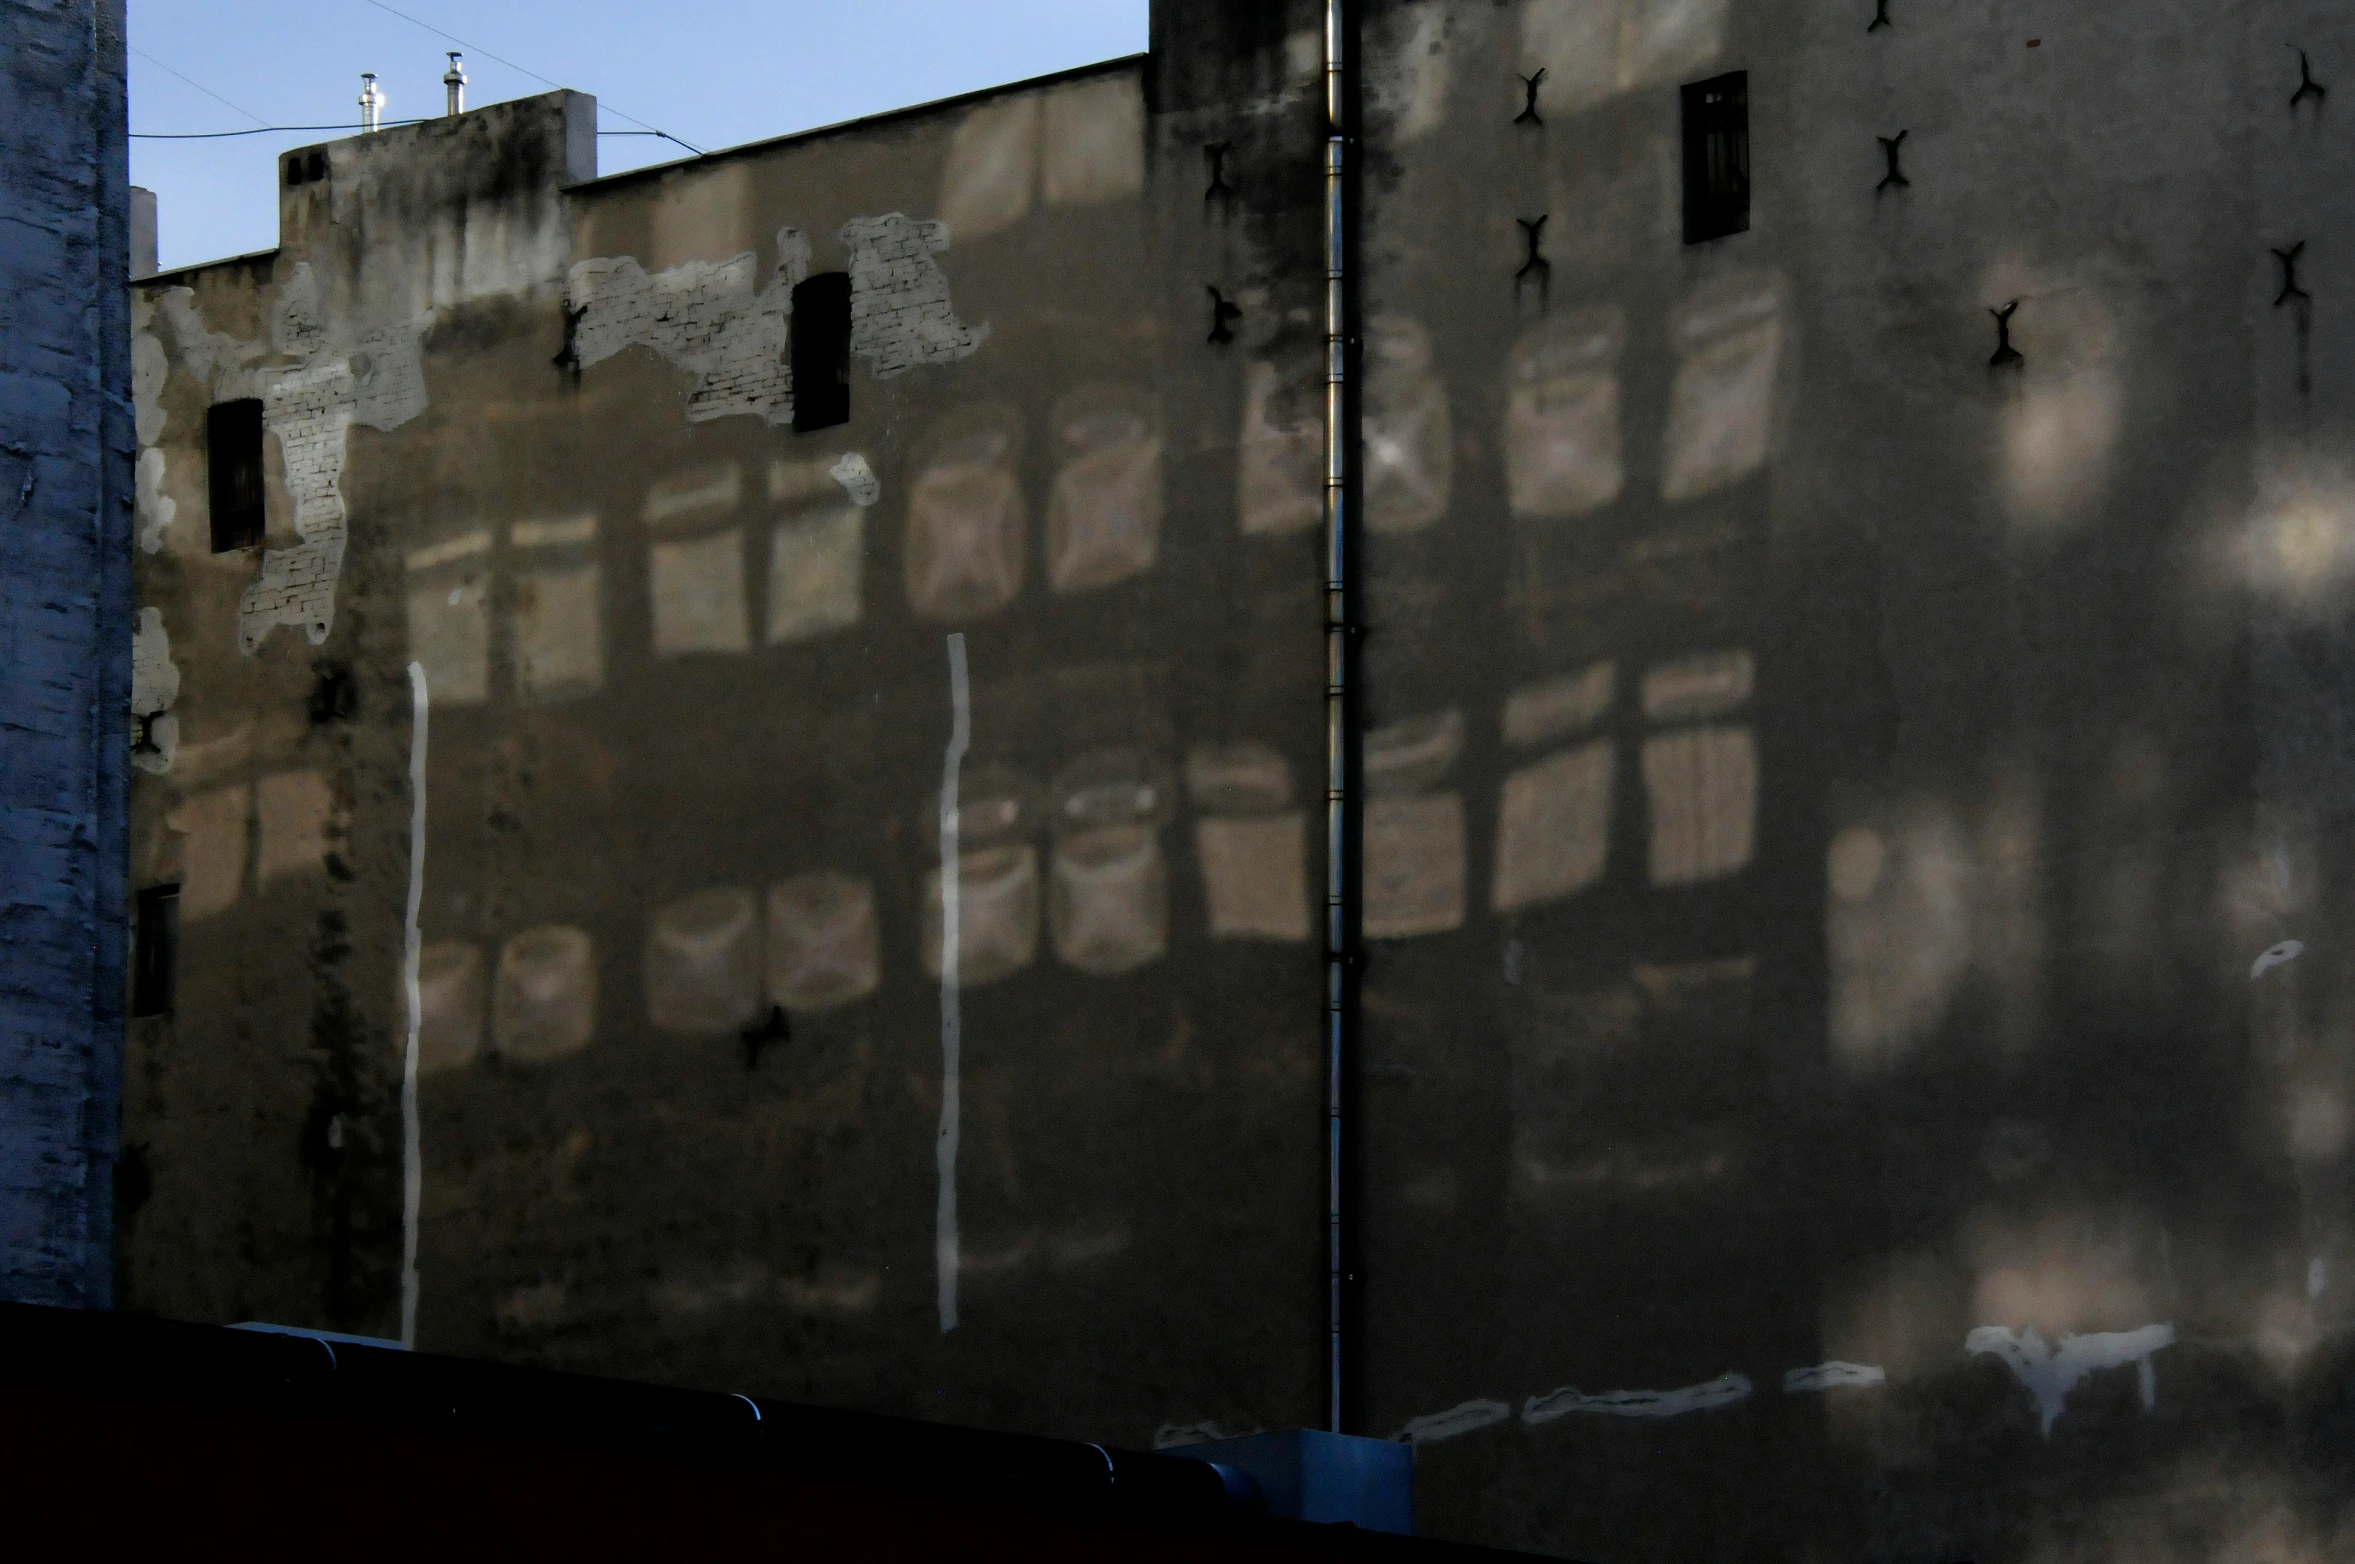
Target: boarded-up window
{"type": "Point", "coordinates": [821, 352]}
{"type": "Point", "coordinates": [233, 458]}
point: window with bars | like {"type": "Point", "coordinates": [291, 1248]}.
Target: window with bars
{"type": "Point", "coordinates": [1717, 157]}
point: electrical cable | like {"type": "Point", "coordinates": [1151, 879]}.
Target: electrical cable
{"type": "Point", "coordinates": [193, 82]}
{"type": "Point", "coordinates": [534, 75]}
{"type": "Point", "coordinates": [263, 130]}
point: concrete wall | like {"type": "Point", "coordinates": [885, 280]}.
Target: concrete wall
{"type": "Point", "coordinates": [1853, 1060]}
{"type": "Point", "coordinates": [1879, 1090]}
{"type": "Point", "coordinates": [690, 689]}
{"type": "Point", "coordinates": [65, 475]}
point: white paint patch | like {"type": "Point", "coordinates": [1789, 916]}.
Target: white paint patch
{"type": "Point", "coordinates": [311, 408]}
{"type": "Point", "coordinates": [703, 317]}
{"type": "Point", "coordinates": [2280, 955]}
{"type": "Point", "coordinates": [155, 684]}
{"type": "Point", "coordinates": [412, 953]}
{"type": "Point", "coordinates": [211, 356]}
{"type": "Point", "coordinates": [951, 1016]}
{"type": "Point", "coordinates": [900, 313]}
{"type": "Point", "coordinates": [1723, 1392]}
{"type": "Point", "coordinates": [156, 508]}
{"type": "Point", "coordinates": [150, 368]}
{"type": "Point", "coordinates": [1834, 1376]}
{"type": "Point", "coordinates": [2050, 1373]}
{"type": "Point", "coordinates": [1455, 1420]}
{"type": "Point", "coordinates": [295, 325]}
{"type": "Point", "coordinates": [858, 480]}
{"type": "Point", "coordinates": [1175, 1436]}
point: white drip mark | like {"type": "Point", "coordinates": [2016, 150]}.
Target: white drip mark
{"type": "Point", "coordinates": [951, 1021]}
{"type": "Point", "coordinates": [2280, 955]}
{"type": "Point", "coordinates": [1720, 1392]}
{"type": "Point", "coordinates": [2050, 1372]}
{"type": "Point", "coordinates": [1455, 1420]}
{"type": "Point", "coordinates": [1834, 1376]}
{"type": "Point", "coordinates": [412, 1151]}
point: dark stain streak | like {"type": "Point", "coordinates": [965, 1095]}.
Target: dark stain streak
{"type": "Point", "coordinates": [568, 357]}
{"type": "Point", "coordinates": [1529, 114]}
{"type": "Point", "coordinates": [1223, 316]}
{"type": "Point", "coordinates": [2301, 310]}
{"type": "Point", "coordinates": [1880, 18]}
{"type": "Point", "coordinates": [335, 697]}
{"type": "Point", "coordinates": [1215, 154]}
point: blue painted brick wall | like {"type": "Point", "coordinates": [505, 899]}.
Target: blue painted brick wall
{"type": "Point", "coordinates": [65, 639]}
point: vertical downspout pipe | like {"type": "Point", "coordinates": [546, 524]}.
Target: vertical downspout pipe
{"type": "Point", "coordinates": [1341, 827]}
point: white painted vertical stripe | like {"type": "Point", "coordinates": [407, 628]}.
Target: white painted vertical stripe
{"type": "Point", "coordinates": [412, 1152]}
{"type": "Point", "coordinates": [951, 1018]}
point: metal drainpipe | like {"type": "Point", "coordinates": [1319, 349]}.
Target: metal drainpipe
{"type": "Point", "coordinates": [1340, 835]}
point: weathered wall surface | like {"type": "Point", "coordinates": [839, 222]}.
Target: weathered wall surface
{"type": "Point", "coordinates": [65, 622]}
{"type": "Point", "coordinates": [694, 686]}
{"type": "Point", "coordinates": [1854, 1058]}
{"type": "Point", "coordinates": [1855, 1048]}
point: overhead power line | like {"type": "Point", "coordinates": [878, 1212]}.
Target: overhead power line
{"type": "Point", "coordinates": [199, 86]}
{"type": "Point", "coordinates": [261, 130]}
{"type": "Point", "coordinates": [266, 130]}
{"type": "Point", "coordinates": [534, 75]}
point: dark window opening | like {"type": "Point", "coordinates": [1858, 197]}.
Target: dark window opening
{"type": "Point", "coordinates": [1717, 158]}
{"type": "Point", "coordinates": [155, 954]}
{"type": "Point", "coordinates": [233, 458]}
{"type": "Point", "coordinates": [821, 352]}
{"type": "Point", "coordinates": [305, 168]}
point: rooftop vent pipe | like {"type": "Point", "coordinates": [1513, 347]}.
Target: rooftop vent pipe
{"type": "Point", "coordinates": [454, 83]}
{"type": "Point", "coordinates": [371, 102]}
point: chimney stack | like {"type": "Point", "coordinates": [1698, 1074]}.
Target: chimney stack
{"type": "Point", "coordinates": [455, 83]}
{"type": "Point", "coordinates": [371, 102]}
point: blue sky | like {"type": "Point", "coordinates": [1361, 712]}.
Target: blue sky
{"type": "Point", "coordinates": [714, 72]}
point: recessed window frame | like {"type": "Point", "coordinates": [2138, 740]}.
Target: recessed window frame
{"type": "Point", "coordinates": [820, 348]}
{"type": "Point", "coordinates": [1716, 157]}
{"type": "Point", "coordinates": [155, 951]}
{"type": "Point", "coordinates": [233, 473]}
